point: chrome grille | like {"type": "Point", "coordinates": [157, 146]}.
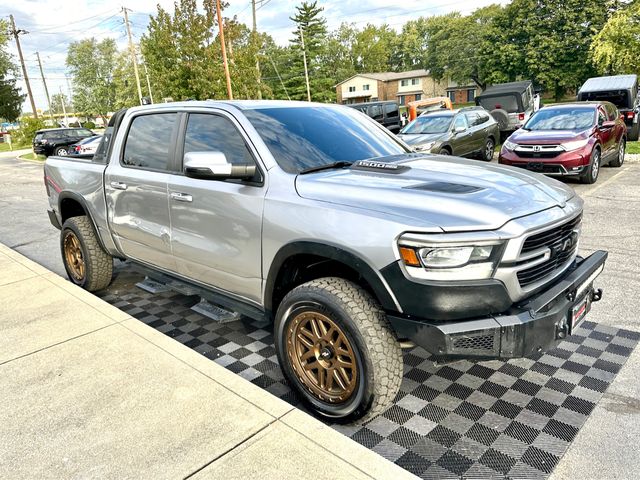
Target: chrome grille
{"type": "Point", "coordinates": [559, 242]}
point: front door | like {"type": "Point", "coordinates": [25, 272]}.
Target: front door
{"type": "Point", "coordinates": [136, 190]}
{"type": "Point", "coordinates": [461, 141]}
{"type": "Point", "coordinates": [216, 226]}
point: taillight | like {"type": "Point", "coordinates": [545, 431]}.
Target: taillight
{"type": "Point", "coordinates": [521, 117]}
{"type": "Point", "coordinates": [630, 115]}
{"type": "Point", "coordinates": [77, 148]}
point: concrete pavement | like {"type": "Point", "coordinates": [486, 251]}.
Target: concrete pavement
{"type": "Point", "coordinates": [89, 392]}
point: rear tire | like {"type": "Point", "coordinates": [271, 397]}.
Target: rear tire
{"type": "Point", "coordinates": [337, 350]}
{"type": "Point", "coordinates": [489, 150]}
{"type": "Point", "coordinates": [593, 170]}
{"type": "Point", "coordinates": [86, 263]}
{"type": "Point", "coordinates": [634, 132]}
{"type": "Point", "coordinates": [622, 149]}
{"type": "Point", "coordinates": [61, 151]}
{"type": "Point", "coordinates": [444, 151]}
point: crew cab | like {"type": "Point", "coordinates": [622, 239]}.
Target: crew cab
{"type": "Point", "coordinates": [318, 218]}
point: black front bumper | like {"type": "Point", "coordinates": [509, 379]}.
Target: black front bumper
{"type": "Point", "coordinates": [535, 326]}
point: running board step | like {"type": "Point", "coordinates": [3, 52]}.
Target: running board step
{"type": "Point", "coordinates": [152, 286]}
{"type": "Point", "coordinates": [214, 312]}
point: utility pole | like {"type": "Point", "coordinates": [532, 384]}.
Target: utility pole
{"type": "Point", "coordinates": [15, 32]}
{"type": "Point", "coordinates": [224, 51]}
{"type": "Point", "coordinates": [255, 39]}
{"type": "Point", "coordinates": [306, 72]}
{"type": "Point", "coordinates": [133, 53]}
{"type": "Point", "coordinates": [146, 74]}
{"type": "Point", "coordinates": [46, 90]}
{"type": "Point", "coordinates": [64, 108]}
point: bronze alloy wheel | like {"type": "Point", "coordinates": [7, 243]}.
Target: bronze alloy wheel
{"type": "Point", "coordinates": [322, 357]}
{"type": "Point", "coordinates": [73, 256]}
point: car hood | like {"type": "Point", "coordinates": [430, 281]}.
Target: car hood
{"type": "Point", "coordinates": [526, 137]}
{"type": "Point", "coordinates": [421, 138]}
{"type": "Point", "coordinates": [451, 193]}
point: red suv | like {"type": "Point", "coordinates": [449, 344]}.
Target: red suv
{"type": "Point", "coordinates": [570, 139]}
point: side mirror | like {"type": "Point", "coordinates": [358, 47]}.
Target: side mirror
{"type": "Point", "coordinates": [608, 124]}
{"type": "Point", "coordinates": [214, 166]}
{"type": "Point", "coordinates": [459, 130]}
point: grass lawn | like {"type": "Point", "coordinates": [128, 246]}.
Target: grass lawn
{"type": "Point", "coordinates": [4, 147]}
{"type": "Point", "coordinates": [32, 156]}
{"type": "Point", "coordinates": [633, 147]}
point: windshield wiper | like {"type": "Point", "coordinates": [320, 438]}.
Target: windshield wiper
{"type": "Point", "coordinates": [327, 166]}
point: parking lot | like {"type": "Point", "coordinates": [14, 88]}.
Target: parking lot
{"type": "Point", "coordinates": [526, 418]}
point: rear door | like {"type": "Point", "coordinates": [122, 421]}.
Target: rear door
{"type": "Point", "coordinates": [476, 132]}
{"type": "Point", "coordinates": [136, 189]}
{"type": "Point", "coordinates": [216, 225]}
{"type": "Point", "coordinates": [461, 141]}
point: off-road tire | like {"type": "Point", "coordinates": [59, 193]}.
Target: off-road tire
{"type": "Point", "coordinates": [634, 133]}
{"type": "Point", "coordinates": [59, 151]}
{"type": "Point", "coordinates": [98, 263]}
{"type": "Point", "coordinates": [501, 117]}
{"type": "Point", "coordinates": [622, 149]}
{"type": "Point", "coordinates": [591, 176]}
{"type": "Point", "coordinates": [365, 325]}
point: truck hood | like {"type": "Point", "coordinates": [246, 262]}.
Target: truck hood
{"type": "Point", "coordinates": [451, 193]}
{"type": "Point", "coordinates": [419, 139]}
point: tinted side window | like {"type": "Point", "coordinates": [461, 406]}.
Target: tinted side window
{"type": "Point", "coordinates": [51, 135]}
{"type": "Point", "coordinates": [82, 132]}
{"type": "Point", "coordinates": [460, 121]}
{"type": "Point", "coordinates": [612, 112]}
{"type": "Point", "coordinates": [213, 133]}
{"type": "Point", "coordinates": [483, 118]}
{"type": "Point", "coordinates": [148, 143]}
{"type": "Point", "coordinates": [391, 110]}
{"type": "Point", "coordinates": [375, 112]}
{"type": "Point", "coordinates": [602, 117]}
{"type": "Point", "coordinates": [472, 119]}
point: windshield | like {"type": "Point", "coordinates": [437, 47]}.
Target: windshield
{"type": "Point", "coordinates": [580, 118]}
{"type": "Point", "coordinates": [508, 102]}
{"type": "Point", "coordinates": [300, 138]}
{"type": "Point", "coordinates": [429, 124]}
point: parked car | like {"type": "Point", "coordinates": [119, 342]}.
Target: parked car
{"type": "Point", "coordinates": [418, 107]}
{"type": "Point", "coordinates": [622, 91]}
{"type": "Point", "coordinates": [511, 104]}
{"type": "Point", "coordinates": [573, 139]}
{"type": "Point", "coordinates": [86, 147]}
{"type": "Point", "coordinates": [316, 217]}
{"type": "Point", "coordinates": [386, 113]}
{"type": "Point", "coordinates": [56, 141]}
{"type": "Point", "coordinates": [467, 132]}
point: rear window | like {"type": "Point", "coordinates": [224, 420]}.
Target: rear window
{"type": "Point", "coordinates": [38, 137]}
{"type": "Point", "coordinates": [148, 143]}
{"type": "Point", "coordinates": [620, 98]}
{"type": "Point", "coordinates": [503, 102]}
{"type": "Point", "coordinates": [82, 132]}
{"type": "Point", "coordinates": [50, 135]}
{"type": "Point", "coordinates": [101, 152]}
{"type": "Point", "coordinates": [391, 110]}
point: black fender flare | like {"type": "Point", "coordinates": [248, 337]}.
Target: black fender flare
{"type": "Point", "coordinates": [83, 203]}
{"type": "Point", "coordinates": [331, 252]}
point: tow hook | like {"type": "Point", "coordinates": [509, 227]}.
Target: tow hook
{"type": "Point", "coordinates": [596, 296]}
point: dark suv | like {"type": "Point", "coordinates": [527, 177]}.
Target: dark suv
{"type": "Point", "coordinates": [386, 113]}
{"type": "Point", "coordinates": [56, 141]}
{"type": "Point", "coordinates": [468, 132]}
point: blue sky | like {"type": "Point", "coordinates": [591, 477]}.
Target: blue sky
{"type": "Point", "coordinates": [53, 24]}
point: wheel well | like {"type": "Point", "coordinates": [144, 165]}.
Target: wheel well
{"type": "Point", "coordinates": [70, 207]}
{"type": "Point", "coordinates": [447, 148]}
{"type": "Point", "coordinates": [302, 268]}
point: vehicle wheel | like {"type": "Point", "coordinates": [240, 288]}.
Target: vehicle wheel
{"type": "Point", "coordinates": [61, 152]}
{"type": "Point", "coordinates": [591, 175]}
{"type": "Point", "coordinates": [622, 150]}
{"type": "Point", "coordinates": [86, 263]}
{"type": "Point", "coordinates": [634, 133]}
{"type": "Point", "coordinates": [489, 150]}
{"type": "Point", "coordinates": [444, 151]}
{"type": "Point", "coordinates": [337, 349]}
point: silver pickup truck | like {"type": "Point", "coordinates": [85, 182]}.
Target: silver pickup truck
{"type": "Point", "coordinates": [319, 219]}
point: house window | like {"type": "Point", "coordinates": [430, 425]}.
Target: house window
{"type": "Point", "coordinates": [471, 95]}
{"type": "Point", "coordinates": [352, 89]}
{"type": "Point", "coordinates": [401, 99]}
{"type": "Point", "coordinates": [404, 83]}
{"type": "Point", "coordinates": [415, 81]}
{"type": "Point", "coordinates": [365, 87]}
{"type": "Point", "coordinates": [418, 96]}
{"type": "Point", "coordinates": [452, 95]}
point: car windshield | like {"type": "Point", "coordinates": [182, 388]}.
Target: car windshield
{"type": "Point", "coordinates": [508, 102]}
{"type": "Point", "coordinates": [579, 118]}
{"type": "Point", "coordinates": [300, 138]}
{"type": "Point", "coordinates": [428, 124]}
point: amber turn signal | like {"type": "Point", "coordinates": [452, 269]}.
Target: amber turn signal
{"type": "Point", "coordinates": [409, 257]}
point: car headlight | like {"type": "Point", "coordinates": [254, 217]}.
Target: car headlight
{"type": "Point", "coordinates": [424, 147]}
{"type": "Point", "coordinates": [452, 262]}
{"type": "Point", "coordinates": [575, 145]}
{"type": "Point", "coordinates": [510, 145]}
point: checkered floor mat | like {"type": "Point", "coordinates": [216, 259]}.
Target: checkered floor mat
{"type": "Point", "coordinates": [489, 419]}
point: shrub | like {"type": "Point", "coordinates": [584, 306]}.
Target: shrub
{"type": "Point", "coordinates": [28, 128]}
{"type": "Point", "coordinates": [89, 125]}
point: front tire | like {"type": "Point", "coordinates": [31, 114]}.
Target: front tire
{"type": "Point", "coordinates": [489, 150]}
{"type": "Point", "coordinates": [593, 170]}
{"type": "Point", "coordinates": [86, 263]}
{"type": "Point", "coordinates": [336, 348]}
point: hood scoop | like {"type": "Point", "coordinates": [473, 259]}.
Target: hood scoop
{"type": "Point", "coordinates": [445, 187]}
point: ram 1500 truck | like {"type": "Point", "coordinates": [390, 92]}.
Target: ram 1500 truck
{"type": "Point", "coordinates": [318, 218]}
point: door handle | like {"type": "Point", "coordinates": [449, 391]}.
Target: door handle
{"type": "Point", "coordinates": [181, 197]}
{"type": "Point", "coordinates": [119, 185]}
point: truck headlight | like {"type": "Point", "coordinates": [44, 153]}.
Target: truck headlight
{"type": "Point", "coordinates": [425, 147]}
{"type": "Point", "coordinates": [452, 262]}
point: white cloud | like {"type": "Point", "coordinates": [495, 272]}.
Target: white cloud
{"type": "Point", "coordinates": [53, 24]}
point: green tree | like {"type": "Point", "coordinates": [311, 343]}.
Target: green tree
{"type": "Point", "coordinates": [615, 48]}
{"type": "Point", "coordinates": [10, 96]}
{"type": "Point", "coordinates": [124, 82]}
{"type": "Point", "coordinates": [56, 103]}
{"type": "Point", "coordinates": [91, 64]}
